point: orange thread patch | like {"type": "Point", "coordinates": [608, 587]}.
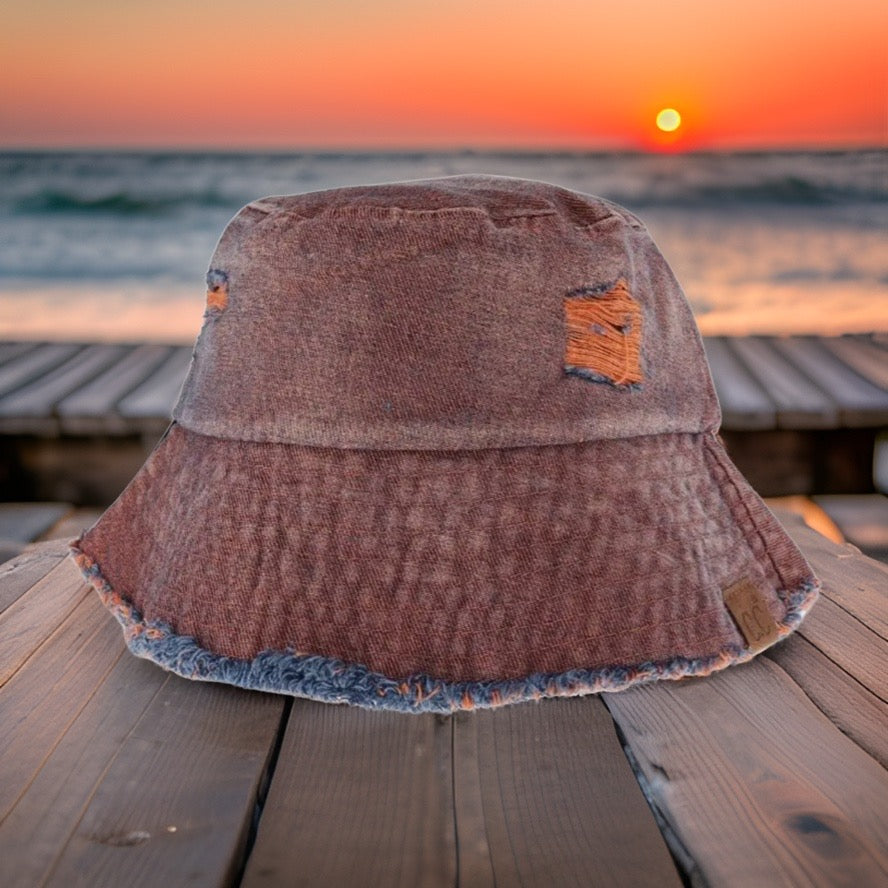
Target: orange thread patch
{"type": "Point", "coordinates": [603, 335]}
{"type": "Point", "coordinates": [217, 290]}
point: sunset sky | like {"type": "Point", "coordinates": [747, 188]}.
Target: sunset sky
{"type": "Point", "coordinates": [416, 73]}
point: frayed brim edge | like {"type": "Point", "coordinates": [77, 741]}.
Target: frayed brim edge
{"type": "Point", "coordinates": [329, 680]}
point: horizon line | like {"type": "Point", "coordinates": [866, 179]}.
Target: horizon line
{"type": "Point", "coordinates": [210, 148]}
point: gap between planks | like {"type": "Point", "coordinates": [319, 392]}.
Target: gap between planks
{"type": "Point", "coordinates": [537, 794]}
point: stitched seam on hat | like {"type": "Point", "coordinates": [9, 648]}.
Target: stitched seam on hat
{"type": "Point", "coordinates": [372, 211]}
{"type": "Point", "coordinates": [454, 452]}
{"type": "Point", "coordinates": [750, 521]}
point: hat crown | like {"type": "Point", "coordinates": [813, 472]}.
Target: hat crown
{"type": "Point", "coordinates": [457, 313]}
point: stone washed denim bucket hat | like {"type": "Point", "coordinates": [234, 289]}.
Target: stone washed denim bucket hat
{"type": "Point", "coordinates": [444, 444]}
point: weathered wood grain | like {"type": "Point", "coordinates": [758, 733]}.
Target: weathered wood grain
{"type": "Point", "coordinates": [848, 704]}
{"type": "Point", "coordinates": [76, 702]}
{"type": "Point", "coordinates": [154, 399]}
{"type": "Point", "coordinates": [758, 785]}
{"type": "Point", "coordinates": [559, 804]}
{"type": "Point", "coordinates": [92, 408]}
{"type": "Point", "coordinates": [39, 702]}
{"type": "Point", "coordinates": [22, 572]}
{"type": "Point", "coordinates": [849, 643]}
{"type": "Point", "coordinates": [860, 402]}
{"type": "Point", "coordinates": [21, 410]}
{"type": "Point", "coordinates": [36, 614]}
{"type": "Point", "coordinates": [359, 797]}
{"type": "Point", "coordinates": [865, 357]}
{"type": "Point", "coordinates": [856, 583]}
{"type": "Point", "coordinates": [800, 403]}
{"type": "Point", "coordinates": [33, 363]}
{"type": "Point", "coordinates": [10, 350]}
{"type": "Point", "coordinates": [174, 805]}
{"type": "Point", "coordinates": [744, 403]}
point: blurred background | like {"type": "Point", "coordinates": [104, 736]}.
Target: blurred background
{"type": "Point", "coordinates": [752, 138]}
{"type": "Point", "coordinates": [132, 132]}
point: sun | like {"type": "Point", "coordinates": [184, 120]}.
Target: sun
{"type": "Point", "coordinates": [668, 120]}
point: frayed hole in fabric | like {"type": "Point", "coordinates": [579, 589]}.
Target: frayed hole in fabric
{"type": "Point", "coordinates": [217, 291]}
{"type": "Point", "coordinates": [604, 326]}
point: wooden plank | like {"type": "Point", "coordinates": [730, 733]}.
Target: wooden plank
{"type": "Point", "coordinates": [114, 772]}
{"type": "Point", "coordinates": [91, 409]}
{"type": "Point", "coordinates": [40, 701]}
{"type": "Point", "coordinates": [800, 403]}
{"type": "Point", "coordinates": [853, 708]}
{"type": "Point", "coordinates": [472, 819]}
{"type": "Point", "coordinates": [30, 409]}
{"type": "Point", "coordinates": [176, 802]}
{"type": "Point", "coordinates": [32, 364]}
{"type": "Point", "coordinates": [863, 356]}
{"type": "Point", "coordinates": [10, 350]}
{"type": "Point", "coordinates": [26, 569]}
{"type": "Point", "coordinates": [744, 403]}
{"type": "Point", "coordinates": [359, 797]}
{"type": "Point", "coordinates": [155, 398]}
{"type": "Point", "coordinates": [175, 805]}
{"type": "Point", "coordinates": [863, 520]}
{"type": "Point", "coordinates": [36, 614]}
{"type": "Point", "coordinates": [861, 404]}
{"type": "Point", "coordinates": [24, 522]}
{"type": "Point", "coordinates": [72, 706]}
{"type": "Point", "coordinates": [850, 644]}
{"type": "Point", "coordinates": [558, 800]}
{"type": "Point", "coordinates": [857, 583]}
{"type": "Point", "coordinates": [756, 783]}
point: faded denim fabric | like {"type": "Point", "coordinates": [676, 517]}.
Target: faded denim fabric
{"type": "Point", "coordinates": [444, 444]}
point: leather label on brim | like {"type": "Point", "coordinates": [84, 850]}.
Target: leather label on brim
{"type": "Point", "coordinates": [603, 335]}
{"type": "Point", "coordinates": [750, 611]}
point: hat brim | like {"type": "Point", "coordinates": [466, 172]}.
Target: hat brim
{"type": "Point", "coordinates": [440, 580]}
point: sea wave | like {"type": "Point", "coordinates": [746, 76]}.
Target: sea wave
{"type": "Point", "coordinates": [782, 191]}
{"type": "Point", "coordinates": [117, 203]}
{"type": "Point", "coordinates": [785, 191]}
{"type": "Point", "coordinates": [135, 185]}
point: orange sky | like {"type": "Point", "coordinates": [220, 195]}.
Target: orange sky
{"type": "Point", "coordinates": [405, 73]}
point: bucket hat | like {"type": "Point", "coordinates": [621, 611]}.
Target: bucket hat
{"type": "Point", "coordinates": [444, 444]}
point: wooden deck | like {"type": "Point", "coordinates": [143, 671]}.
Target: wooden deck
{"type": "Point", "coordinates": [113, 772]}
{"type": "Point", "coordinates": [801, 414]}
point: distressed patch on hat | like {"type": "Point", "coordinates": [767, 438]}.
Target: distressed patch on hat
{"type": "Point", "coordinates": [603, 335]}
{"type": "Point", "coordinates": [217, 290]}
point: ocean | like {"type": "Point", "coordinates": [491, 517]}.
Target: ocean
{"type": "Point", "coordinates": [114, 246]}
